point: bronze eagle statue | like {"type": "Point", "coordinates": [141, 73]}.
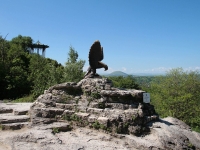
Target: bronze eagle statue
{"type": "Point", "coordinates": [95, 58]}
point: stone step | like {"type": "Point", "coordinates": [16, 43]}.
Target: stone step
{"type": "Point", "coordinates": [66, 106]}
{"type": "Point", "coordinates": [5, 110]}
{"type": "Point", "coordinates": [59, 126]}
{"type": "Point", "coordinates": [82, 115]}
{"type": "Point", "coordinates": [9, 118]}
{"type": "Point", "coordinates": [95, 110]}
{"type": "Point", "coordinates": [20, 112]}
{"type": "Point", "coordinates": [15, 108]}
{"type": "Point", "coordinates": [14, 126]}
{"type": "Point", "coordinates": [50, 112]}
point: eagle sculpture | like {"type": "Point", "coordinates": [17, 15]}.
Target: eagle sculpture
{"type": "Point", "coordinates": [95, 58]}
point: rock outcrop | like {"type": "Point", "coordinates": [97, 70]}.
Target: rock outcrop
{"type": "Point", "coordinates": [93, 115]}
{"type": "Point", "coordinates": [94, 103]}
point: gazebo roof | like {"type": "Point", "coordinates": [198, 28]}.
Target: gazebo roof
{"type": "Point", "coordinates": [39, 45]}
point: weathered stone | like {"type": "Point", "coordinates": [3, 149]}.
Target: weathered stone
{"type": "Point", "coordinates": [81, 108]}
{"type": "Point", "coordinates": [68, 112]}
{"type": "Point", "coordinates": [35, 121]}
{"type": "Point", "coordinates": [117, 106]}
{"type": "Point", "coordinates": [20, 112]}
{"type": "Point", "coordinates": [14, 126]}
{"type": "Point", "coordinates": [114, 117]}
{"type": "Point", "coordinates": [59, 126]}
{"type": "Point", "coordinates": [94, 105]}
{"type": "Point", "coordinates": [70, 106]}
{"type": "Point", "coordinates": [59, 105]}
{"type": "Point", "coordinates": [96, 98]}
{"type": "Point", "coordinates": [103, 121]}
{"type": "Point", "coordinates": [6, 110]}
{"type": "Point", "coordinates": [9, 118]}
{"type": "Point", "coordinates": [67, 85]}
{"type": "Point", "coordinates": [134, 129]}
{"type": "Point", "coordinates": [94, 110]}
{"type": "Point", "coordinates": [92, 119]}
{"type": "Point", "coordinates": [82, 115]}
{"type": "Point", "coordinates": [46, 112]}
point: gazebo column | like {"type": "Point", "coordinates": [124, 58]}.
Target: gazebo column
{"type": "Point", "coordinates": [31, 50]}
{"type": "Point", "coordinates": [43, 52]}
{"type": "Point", "coordinates": [37, 47]}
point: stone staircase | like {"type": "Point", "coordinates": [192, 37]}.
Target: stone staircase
{"type": "Point", "coordinates": [14, 116]}
{"type": "Point", "coordinates": [92, 103]}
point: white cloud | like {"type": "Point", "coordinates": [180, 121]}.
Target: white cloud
{"type": "Point", "coordinates": [192, 69]}
{"type": "Point", "coordinates": [157, 70]}
{"type": "Point", "coordinates": [124, 69]}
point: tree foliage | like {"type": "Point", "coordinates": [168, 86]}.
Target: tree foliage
{"type": "Point", "coordinates": [14, 69]}
{"type": "Point", "coordinates": [44, 73]}
{"type": "Point", "coordinates": [128, 82]}
{"type": "Point", "coordinates": [22, 73]}
{"type": "Point", "coordinates": [178, 95]}
{"type": "Point", "coordinates": [73, 67]}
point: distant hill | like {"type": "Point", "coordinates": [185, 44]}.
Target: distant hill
{"type": "Point", "coordinates": [120, 73]}
{"type": "Point", "coordinates": [146, 74]}
{"type": "Point", "coordinates": [117, 73]}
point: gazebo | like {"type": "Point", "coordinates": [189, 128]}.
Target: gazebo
{"type": "Point", "coordinates": [37, 47]}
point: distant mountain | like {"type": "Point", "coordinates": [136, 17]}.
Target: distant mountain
{"type": "Point", "coordinates": [117, 73]}
{"type": "Point", "coordinates": [120, 73]}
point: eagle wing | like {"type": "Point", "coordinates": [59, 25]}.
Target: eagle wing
{"type": "Point", "coordinates": [95, 54]}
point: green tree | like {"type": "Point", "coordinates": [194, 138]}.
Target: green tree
{"type": "Point", "coordinates": [15, 63]}
{"type": "Point", "coordinates": [125, 82]}
{"type": "Point", "coordinates": [177, 94]}
{"type": "Point", "coordinates": [22, 73]}
{"type": "Point", "coordinates": [73, 68]}
{"type": "Point", "coordinates": [23, 41]}
{"type": "Point", "coordinates": [4, 46]}
{"type": "Point", "coordinates": [44, 73]}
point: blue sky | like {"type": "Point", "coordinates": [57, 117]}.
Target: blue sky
{"type": "Point", "coordinates": [138, 36]}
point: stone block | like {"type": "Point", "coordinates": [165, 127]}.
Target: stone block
{"type": "Point", "coordinates": [5, 118]}
{"type": "Point", "coordinates": [69, 106]}
{"type": "Point", "coordinates": [82, 115]}
{"type": "Point", "coordinates": [14, 126]}
{"type": "Point", "coordinates": [94, 105]}
{"type": "Point", "coordinates": [68, 112]}
{"type": "Point", "coordinates": [94, 110]}
{"type": "Point", "coordinates": [103, 121]}
{"type": "Point", "coordinates": [59, 105]}
{"type": "Point", "coordinates": [6, 110]}
{"type": "Point", "coordinates": [20, 112]}
{"type": "Point", "coordinates": [92, 119]}
{"type": "Point", "coordinates": [117, 106]}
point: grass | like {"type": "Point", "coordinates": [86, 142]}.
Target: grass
{"type": "Point", "coordinates": [25, 99]}
{"type": "Point", "coordinates": [197, 129]}
{"type": "Point", "coordinates": [55, 130]}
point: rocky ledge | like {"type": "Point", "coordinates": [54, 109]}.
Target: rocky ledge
{"type": "Point", "coordinates": [94, 103]}
{"type": "Point", "coordinates": [94, 115]}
